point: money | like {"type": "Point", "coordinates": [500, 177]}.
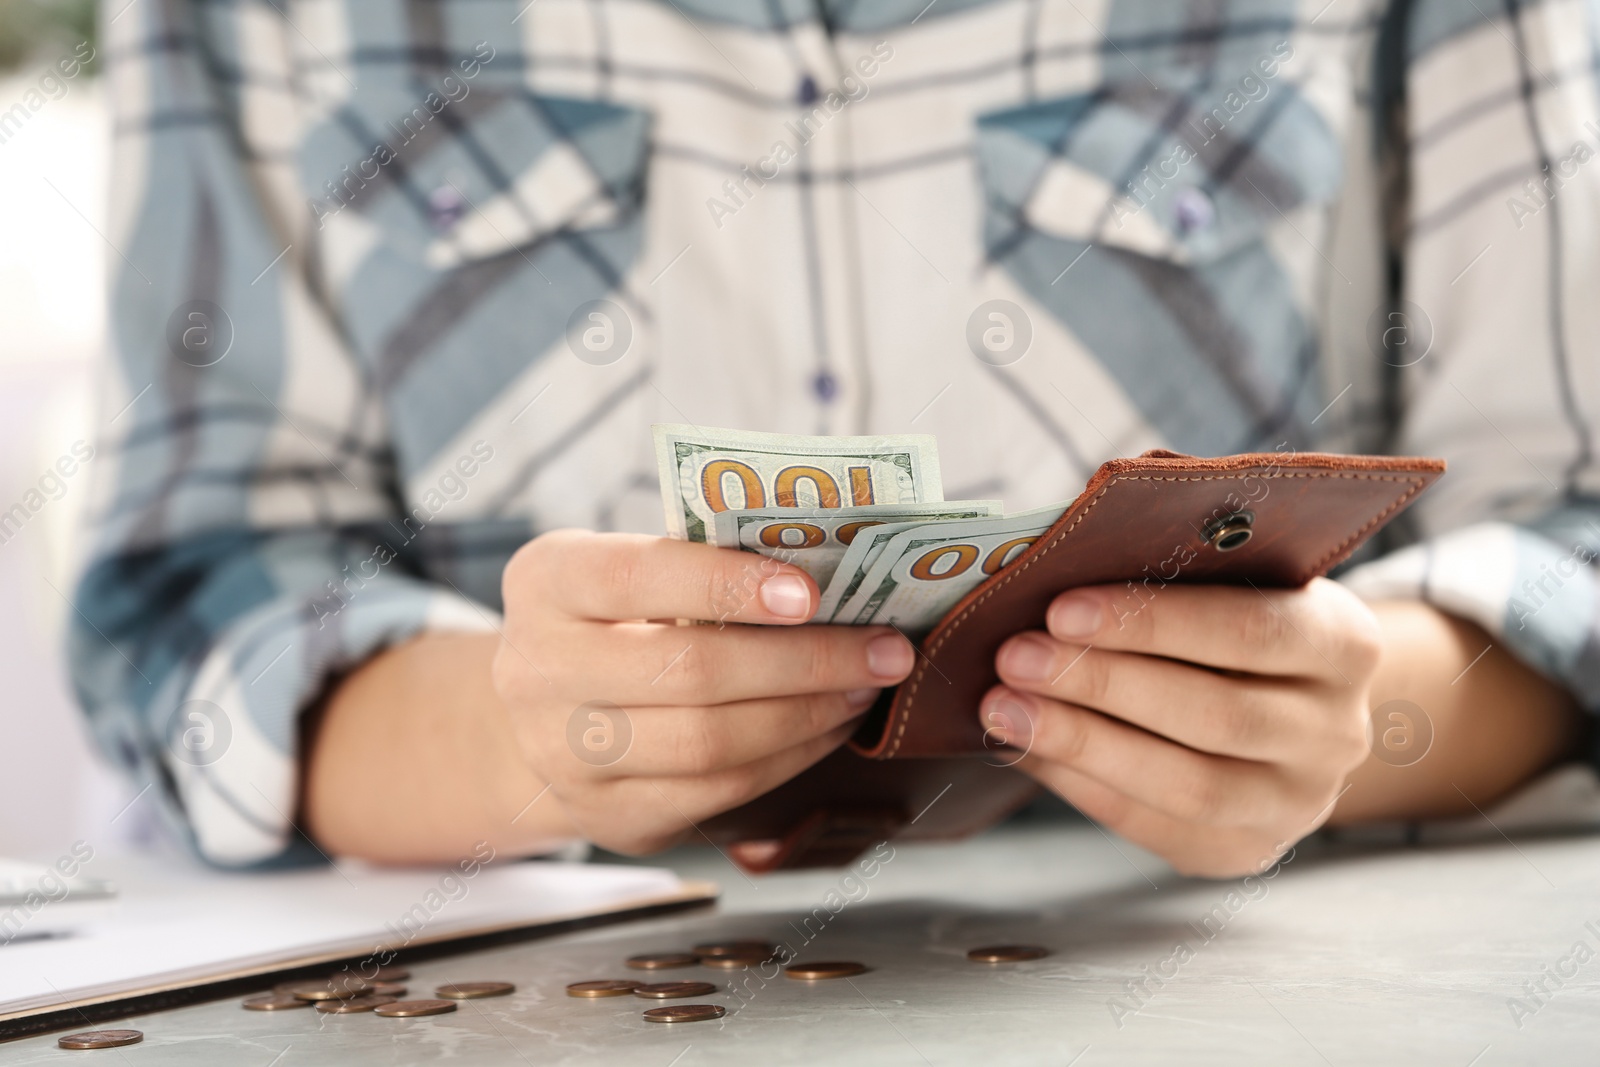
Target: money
{"type": "Point", "coordinates": [101, 1039]}
{"type": "Point", "coordinates": [706, 471]}
{"type": "Point", "coordinates": [858, 559]}
{"type": "Point", "coordinates": [686, 1013]}
{"type": "Point", "coordinates": [335, 987]}
{"type": "Point", "coordinates": [821, 972]}
{"type": "Point", "coordinates": [816, 539]}
{"type": "Point", "coordinates": [673, 990]}
{"type": "Point", "coordinates": [743, 947]}
{"type": "Point", "coordinates": [656, 961]}
{"type": "Point", "coordinates": [275, 1002]}
{"type": "Point", "coordinates": [474, 990]}
{"type": "Point", "coordinates": [599, 988]}
{"type": "Point", "coordinates": [406, 1009]}
{"type": "Point", "coordinates": [1007, 953]}
{"type": "Point", "coordinates": [923, 572]}
{"type": "Point", "coordinates": [865, 516]}
{"type": "Point", "coordinates": [354, 1005]}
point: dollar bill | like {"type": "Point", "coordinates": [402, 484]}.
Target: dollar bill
{"type": "Point", "coordinates": [921, 573]}
{"type": "Point", "coordinates": [705, 471]}
{"type": "Point", "coordinates": [816, 539]}
{"type": "Point", "coordinates": [858, 559]}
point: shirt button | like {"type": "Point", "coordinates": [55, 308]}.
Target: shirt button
{"type": "Point", "coordinates": [826, 386]}
{"type": "Point", "coordinates": [445, 207]}
{"type": "Point", "coordinates": [1192, 210]}
{"type": "Point", "coordinates": [807, 93]}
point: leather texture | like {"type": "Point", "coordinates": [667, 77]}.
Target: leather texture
{"type": "Point", "coordinates": [919, 767]}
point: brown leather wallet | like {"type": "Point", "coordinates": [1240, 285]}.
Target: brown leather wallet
{"type": "Point", "coordinates": [919, 766]}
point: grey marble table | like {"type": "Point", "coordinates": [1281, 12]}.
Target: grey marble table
{"type": "Point", "coordinates": [1393, 954]}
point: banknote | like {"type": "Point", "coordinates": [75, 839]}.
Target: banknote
{"type": "Point", "coordinates": [920, 574]}
{"type": "Point", "coordinates": [858, 559]}
{"type": "Point", "coordinates": [705, 471]}
{"type": "Point", "coordinates": [816, 539]}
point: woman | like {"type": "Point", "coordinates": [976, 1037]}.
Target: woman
{"type": "Point", "coordinates": [406, 284]}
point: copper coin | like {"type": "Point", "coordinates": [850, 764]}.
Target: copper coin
{"type": "Point", "coordinates": [353, 1005]}
{"type": "Point", "coordinates": [656, 961]}
{"type": "Point", "coordinates": [761, 949]}
{"type": "Point", "coordinates": [816, 972]}
{"type": "Point", "coordinates": [101, 1039]}
{"type": "Point", "coordinates": [391, 974]}
{"type": "Point", "coordinates": [1007, 953]}
{"type": "Point", "coordinates": [405, 1009]}
{"type": "Point", "coordinates": [673, 990]}
{"type": "Point", "coordinates": [275, 1002]}
{"type": "Point", "coordinates": [339, 988]}
{"type": "Point", "coordinates": [685, 1013]}
{"type": "Point", "coordinates": [602, 987]}
{"type": "Point", "coordinates": [388, 989]}
{"type": "Point", "coordinates": [732, 963]}
{"type": "Point", "coordinates": [474, 990]}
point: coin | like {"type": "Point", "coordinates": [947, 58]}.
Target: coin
{"type": "Point", "coordinates": [101, 1039]}
{"type": "Point", "coordinates": [685, 1013]}
{"type": "Point", "coordinates": [275, 1002]}
{"type": "Point", "coordinates": [656, 961]}
{"type": "Point", "coordinates": [1007, 953]}
{"type": "Point", "coordinates": [762, 949]}
{"type": "Point", "coordinates": [353, 1005]}
{"type": "Point", "coordinates": [816, 972]}
{"type": "Point", "coordinates": [405, 1009]}
{"type": "Point", "coordinates": [602, 987]}
{"type": "Point", "coordinates": [672, 990]}
{"type": "Point", "coordinates": [341, 987]}
{"type": "Point", "coordinates": [391, 974]}
{"type": "Point", "coordinates": [388, 989]}
{"type": "Point", "coordinates": [474, 990]}
{"type": "Point", "coordinates": [732, 963]}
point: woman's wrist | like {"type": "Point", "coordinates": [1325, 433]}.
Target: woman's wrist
{"type": "Point", "coordinates": [412, 760]}
{"type": "Point", "coordinates": [1458, 722]}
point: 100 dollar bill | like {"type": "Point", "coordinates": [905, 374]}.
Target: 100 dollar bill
{"type": "Point", "coordinates": [707, 471]}
{"type": "Point", "coordinates": [858, 559]}
{"type": "Point", "coordinates": [817, 539]}
{"type": "Point", "coordinates": [922, 573]}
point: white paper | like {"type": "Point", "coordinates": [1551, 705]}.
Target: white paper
{"type": "Point", "coordinates": [177, 925]}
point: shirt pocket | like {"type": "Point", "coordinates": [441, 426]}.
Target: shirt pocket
{"type": "Point", "coordinates": [498, 170]}
{"type": "Point", "coordinates": [1193, 210]}
{"type": "Point", "coordinates": [459, 236]}
{"type": "Point", "coordinates": [1188, 176]}
{"type": "Point", "coordinates": [577, 164]}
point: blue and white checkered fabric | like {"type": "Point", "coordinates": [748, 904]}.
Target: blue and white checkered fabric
{"type": "Point", "coordinates": [405, 282]}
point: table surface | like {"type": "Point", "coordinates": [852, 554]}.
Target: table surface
{"type": "Point", "coordinates": [1348, 956]}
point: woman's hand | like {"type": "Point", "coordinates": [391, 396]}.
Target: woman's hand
{"type": "Point", "coordinates": [643, 727]}
{"type": "Point", "coordinates": [1212, 725]}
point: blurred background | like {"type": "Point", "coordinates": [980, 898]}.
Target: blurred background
{"type": "Point", "coordinates": [54, 146]}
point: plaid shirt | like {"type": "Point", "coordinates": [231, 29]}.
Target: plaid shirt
{"type": "Point", "coordinates": [405, 282]}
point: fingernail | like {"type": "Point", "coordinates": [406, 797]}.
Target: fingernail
{"type": "Point", "coordinates": [1075, 615]}
{"type": "Point", "coordinates": [1026, 659]}
{"type": "Point", "coordinates": [889, 657]}
{"type": "Point", "coordinates": [1005, 721]}
{"type": "Point", "coordinates": [862, 698]}
{"type": "Point", "coordinates": [787, 596]}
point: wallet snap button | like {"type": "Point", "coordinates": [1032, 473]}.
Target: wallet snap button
{"type": "Point", "coordinates": [1230, 531]}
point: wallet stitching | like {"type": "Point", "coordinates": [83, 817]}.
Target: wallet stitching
{"type": "Point", "coordinates": [1417, 485]}
{"type": "Point", "coordinates": [955, 624]}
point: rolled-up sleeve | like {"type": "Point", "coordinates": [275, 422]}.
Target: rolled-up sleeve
{"type": "Point", "coordinates": [1499, 369]}
{"type": "Point", "coordinates": [247, 544]}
